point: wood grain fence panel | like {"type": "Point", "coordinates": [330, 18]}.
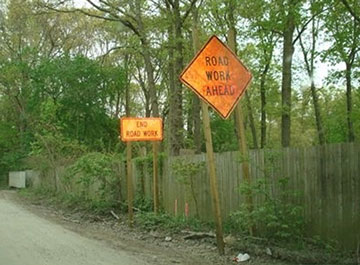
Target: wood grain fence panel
{"type": "Point", "coordinates": [327, 178]}
{"type": "Point", "coordinates": [346, 194]}
{"type": "Point", "coordinates": [308, 191]}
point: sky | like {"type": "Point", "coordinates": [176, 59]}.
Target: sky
{"type": "Point", "coordinates": [83, 3]}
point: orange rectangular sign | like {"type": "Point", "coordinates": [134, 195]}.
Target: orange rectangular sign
{"type": "Point", "coordinates": [141, 129]}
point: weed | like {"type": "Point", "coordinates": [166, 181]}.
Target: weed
{"type": "Point", "coordinates": [186, 172]}
{"type": "Point", "coordinates": [277, 218]}
{"type": "Point", "coordinates": [143, 204]}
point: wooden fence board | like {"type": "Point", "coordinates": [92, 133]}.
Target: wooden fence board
{"type": "Point", "coordinates": [327, 178]}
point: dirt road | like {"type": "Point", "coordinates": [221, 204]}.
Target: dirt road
{"type": "Point", "coordinates": [26, 239]}
{"type": "Point", "coordinates": [35, 233]}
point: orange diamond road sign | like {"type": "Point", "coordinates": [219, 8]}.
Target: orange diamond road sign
{"type": "Point", "coordinates": [141, 129]}
{"type": "Point", "coordinates": [217, 76]}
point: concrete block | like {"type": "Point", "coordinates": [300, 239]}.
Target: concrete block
{"type": "Point", "coordinates": [17, 179]}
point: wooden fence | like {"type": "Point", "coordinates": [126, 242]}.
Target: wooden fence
{"type": "Point", "coordinates": [326, 177]}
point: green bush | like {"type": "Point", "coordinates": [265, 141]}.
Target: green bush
{"type": "Point", "coordinates": [275, 217]}
{"type": "Point", "coordinates": [185, 173]}
{"type": "Point", "coordinates": [142, 203]}
{"type": "Point", "coordinates": [96, 179]}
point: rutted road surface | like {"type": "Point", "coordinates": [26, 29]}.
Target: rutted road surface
{"type": "Point", "coordinates": [26, 239]}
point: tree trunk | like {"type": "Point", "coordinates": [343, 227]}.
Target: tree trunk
{"type": "Point", "coordinates": [189, 115]}
{"type": "Point", "coordinates": [175, 111]}
{"type": "Point", "coordinates": [151, 82]}
{"type": "Point", "coordinates": [288, 51]}
{"type": "Point", "coordinates": [195, 99]}
{"type": "Point", "coordinates": [197, 124]}
{"type": "Point", "coordinates": [263, 105]}
{"type": "Point", "coordinates": [351, 135]}
{"type": "Point", "coordinates": [309, 63]}
{"type": "Point", "coordinates": [317, 114]}
{"type": "Point", "coordinates": [251, 120]}
{"type": "Point", "coordinates": [147, 60]}
{"type": "Point", "coordinates": [127, 88]}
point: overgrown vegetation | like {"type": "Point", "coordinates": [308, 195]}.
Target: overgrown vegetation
{"type": "Point", "coordinates": [64, 84]}
{"type": "Point", "coordinates": [276, 217]}
{"type": "Point", "coordinates": [277, 214]}
{"type": "Point", "coordinates": [185, 173]}
{"type": "Point", "coordinates": [94, 178]}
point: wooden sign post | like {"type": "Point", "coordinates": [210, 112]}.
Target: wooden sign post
{"type": "Point", "coordinates": [129, 182]}
{"type": "Point", "coordinates": [141, 129]}
{"type": "Point", "coordinates": [155, 146]}
{"type": "Point", "coordinates": [218, 77]}
{"type": "Point", "coordinates": [242, 138]}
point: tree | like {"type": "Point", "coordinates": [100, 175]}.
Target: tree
{"type": "Point", "coordinates": [310, 55]}
{"type": "Point", "coordinates": [130, 15]}
{"type": "Point", "coordinates": [353, 8]}
{"type": "Point", "coordinates": [288, 8]}
{"type": "Point", "coordinates": [176, 20]}
{"type": "Point", "coordinates": [345, 48]}
{"type": "Point", "coordinates": [264, 28]}
{"type": "Point", "coordinates": [80, 91]}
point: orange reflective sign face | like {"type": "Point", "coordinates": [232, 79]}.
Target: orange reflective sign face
{"type": "Point", "coordinates": [141, 129]}
{"type": "Point", "coordinates": [217, 76]}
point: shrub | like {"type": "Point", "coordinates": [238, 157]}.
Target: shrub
{"type": "Point", "coordinates": [275, 217]}
{"type": "Point", "coordinates": [95, 177]}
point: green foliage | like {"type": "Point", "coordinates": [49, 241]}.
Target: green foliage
{"type": "Point", "coordinates": [223, 134]}
{"type": "Point", "coordinates": [186, 172]}
{"type": "Point", "coordinates": [57, 101]}
{"type": "Point", "coordinates": [277, 217]}
{"type": "Point", "coordinates": [50, 150]}
{"type": "Point", "coordinates": [152, 221]}
{"type": "Point", "coordinates": [144, 166]}
{"type": "Point", "coordinates": [78, 92]}
{"type": "Point", "coordinates": [11, 151]}
{"type": "Point", "coordinates": [142, 203]}
{"type": "Point", "coordinates": [96, 178]}
{"type": "Point", "coordinates": [146, 163]}
{"type": "Point", "coordinates": [71, 201]}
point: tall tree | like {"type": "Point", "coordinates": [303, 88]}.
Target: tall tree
{"type": "Point", "coordinates": [195, 99]}
{"type": "Point", "coordinates": [264, 26]}
{"type": "Point", "coordinates": [288, 8]}
{"type": "Point", "coordinates": [177, 18]}
{"type": "Point", "coordinates": [344, 30]}
{"type": "Point", "coordinates": [232, 19]}
{"type": "Point", "coordinates": [310, 55]}
{"type": "Point", "coordinates": [129, 14]}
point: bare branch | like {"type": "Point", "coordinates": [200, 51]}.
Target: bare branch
{"type": "Point", "coordinates": [112, 17]}
{"type": "Point", "coordinates": [170, 2]}
{"type": "Point", "coordinates": [95, 15]}
{"type": "Point", "coordinates": [307, 23]}
{"type": "Point", "coordinates": [192, 4]}
{"type": "Point", "coordinates": [111, 6]}
{"type": "Point", "coordinates": [111, 50]}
